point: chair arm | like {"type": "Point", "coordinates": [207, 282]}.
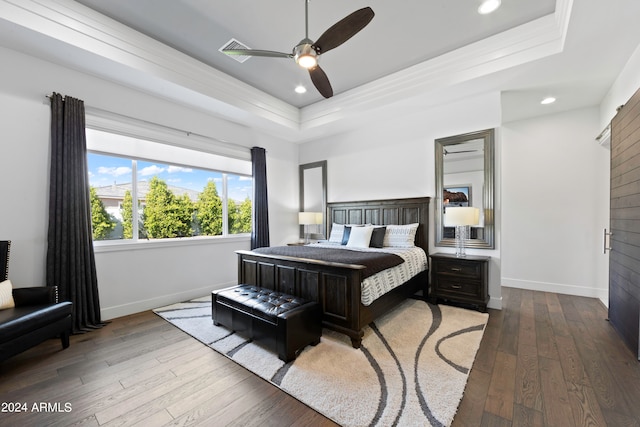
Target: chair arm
{"type": "Point", "coordinates": [35, 296]}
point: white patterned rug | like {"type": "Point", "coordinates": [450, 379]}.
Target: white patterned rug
{"type": "Point", "coordinates": [411, 370]}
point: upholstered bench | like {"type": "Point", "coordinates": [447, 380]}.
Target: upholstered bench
{"type": "Point", "coordinates": [286, 324]}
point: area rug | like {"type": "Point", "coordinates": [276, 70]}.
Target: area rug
{"type": "Point", "coordinates": [411, 370]}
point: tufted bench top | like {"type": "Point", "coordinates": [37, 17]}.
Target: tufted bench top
{"type": "Point", "coordinates": [263, 303]}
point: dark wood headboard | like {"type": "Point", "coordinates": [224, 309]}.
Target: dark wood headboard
{"type": "Point", "coordinates": [384, 212]}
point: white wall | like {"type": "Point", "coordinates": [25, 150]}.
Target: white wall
{"type": "Point", "coordinates": [133, 280]}
{"type": "Point", "coordinates": [555, 204]}
{"type": "Point", "coordinates": [395, 159]}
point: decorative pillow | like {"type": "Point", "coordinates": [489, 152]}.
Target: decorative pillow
{"type": "Point", "coordinates": [6, 295]}
{"type": "Point", "coordinates": [377, 237]}
{"type": "Point", "coordinates": [345, 235]}
{"type": "Point", "coordinates": [337, 234]}
{"type": "Point", "coordinates": [360, 237]}
{"type": "Point", "coordinates": [337, 230]}
{"type": "Point", "coordinates": [400, 236]}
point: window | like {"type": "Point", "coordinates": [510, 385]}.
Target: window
{"type": "Point", "coordinates": [177, 199]}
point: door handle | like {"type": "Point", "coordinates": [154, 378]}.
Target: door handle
{"type": "Point", "coordinates": [606, 242]}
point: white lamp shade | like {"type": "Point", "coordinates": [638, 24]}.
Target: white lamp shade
{"type": "Point", "coordinates": [461, 216]}
{"type": "Point", "coordinates": [307, 218]}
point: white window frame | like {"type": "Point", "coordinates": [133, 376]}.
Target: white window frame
{"type": "Point", "coordinates": [120, 125]}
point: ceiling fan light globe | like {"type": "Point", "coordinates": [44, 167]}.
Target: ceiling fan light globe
{"type": "Point", "coordinates": [305, 55]}
{"type": "Point", "coordinates": [307, 61]}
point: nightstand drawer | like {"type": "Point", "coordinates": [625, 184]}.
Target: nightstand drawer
{"type": "Point", "coordinates": [460, 280]}
{"type": "Point", "coordinates": [459, 268]}
{"type": "Point", "coordinates": [467, 288]}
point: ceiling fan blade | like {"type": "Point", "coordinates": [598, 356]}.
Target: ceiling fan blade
{"type": "Point", "coordinates": [321, 82]}
{"type": "Point", "coordinates": [256, 52]}
{"type": "Point", "coordinates": [343, 30]}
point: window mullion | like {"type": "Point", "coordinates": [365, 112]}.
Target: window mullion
{"type": "Point", "coordinates": [134, 202]}
{"type": "Point", "coordinates": [225, 206]}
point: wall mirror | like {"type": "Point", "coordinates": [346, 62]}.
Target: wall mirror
{"type": "Point", "coordinates": [465, 177]}
{"type": "Point", "coordinates": [313, 195]}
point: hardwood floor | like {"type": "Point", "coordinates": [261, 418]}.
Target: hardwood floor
{"type": "Point", "coordinates": [545, 360]}
{"type": "Point", "coordinates": [551, 360]}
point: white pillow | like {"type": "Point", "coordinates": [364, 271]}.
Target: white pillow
{"type": "Point", "coordinates": [360, 237]}
{"type": "Point", "coordinates": [337, 230]}
{"type": "Point", "coordinates": [6, 295]}
{"type": "Point", "coordinates": [400, 236]}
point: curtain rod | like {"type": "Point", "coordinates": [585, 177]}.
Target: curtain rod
{"type": "Point", "coordinates": [105, 113]}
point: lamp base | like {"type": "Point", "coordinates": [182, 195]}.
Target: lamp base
{"type": "Point", "coordinates": [462, 231]}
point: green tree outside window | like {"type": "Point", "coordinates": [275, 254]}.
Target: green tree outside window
{"type": "Point", "coordinates": [165, 214]}
{"type": "Point", "coordinates": [209, 211]}
{"type": "Point", "coordinates": [101, 221]}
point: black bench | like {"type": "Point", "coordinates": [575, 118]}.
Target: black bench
{"type": "Point", "coordinates": [284, 323]}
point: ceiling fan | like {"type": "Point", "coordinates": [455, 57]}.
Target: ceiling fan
{"type": "Point", "coordinates": [307, 52]}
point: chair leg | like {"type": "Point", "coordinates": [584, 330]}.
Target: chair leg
{"type": "Point", "coordinates": [64, 338]}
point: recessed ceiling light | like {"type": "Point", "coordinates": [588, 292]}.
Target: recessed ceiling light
{"type": "Point", "coordinates": [488, 6]}
{"type": "Point", "coordinates": [548, 100]}
{"type": "Point", "coordinates": [300, 89]}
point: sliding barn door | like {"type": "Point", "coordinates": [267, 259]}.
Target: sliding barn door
{"type": "Point", "coordinates": [624, 260]}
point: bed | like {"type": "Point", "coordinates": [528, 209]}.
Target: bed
{"type": "Point", "coordinates": [337, 285]}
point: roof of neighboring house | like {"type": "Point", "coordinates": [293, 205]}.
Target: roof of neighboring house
{"type": "Point", "coordinates": [117, 191]}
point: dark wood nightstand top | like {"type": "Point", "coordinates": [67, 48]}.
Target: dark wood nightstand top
{"type": "Point", "coordinates": [468, 257]}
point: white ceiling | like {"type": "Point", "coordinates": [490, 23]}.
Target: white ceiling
{"type": "Point", "coordinates": [413, 54]}
{"type": "Point", "coordinates": [401, 34]}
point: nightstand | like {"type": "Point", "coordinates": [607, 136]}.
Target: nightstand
{"type": "Point", "coordinates": [462, 280]}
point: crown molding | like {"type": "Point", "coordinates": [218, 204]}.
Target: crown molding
{"type": "Point", "coordinates": [525, 43]}
{"type": "Point", "coordinates": [146, 64]}
{"type": "Point", "coordinates": [140, 57]}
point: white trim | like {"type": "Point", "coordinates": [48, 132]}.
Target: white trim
{"type": "Point", "coordinates": [106, 121]}
{"type": "Point", "coordinates": [558, 288]}
{"type": "Point", "coordinates": [495, 303]}
{"type": "Point", "coordinates": [534, 40]}
{"type": "Point", "coordinates": [131, 245]}
{"type": "Point", "coordinates": [139, 148]}
{"type": "Point", "coordinates": [146, 64]}
{"type": "Point", "coordinates": [157, 302]}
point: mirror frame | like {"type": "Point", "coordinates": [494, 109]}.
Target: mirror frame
{"type": "Point", "coordinates": [302, 168]}
{"type": "Point", "coordinates": [488, 136]}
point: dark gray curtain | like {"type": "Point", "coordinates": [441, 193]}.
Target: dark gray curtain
{"type": "Point", "coordinates": [260, 229]}
{"type": "Point", "coordinates": [70, 258]}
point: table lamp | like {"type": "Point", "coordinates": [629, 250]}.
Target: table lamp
{"type": "Point", "coordinates": [309, 218]}
{"type": "Point", "coordinates": [461, 218]}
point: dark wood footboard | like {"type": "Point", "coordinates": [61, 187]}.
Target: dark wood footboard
{"type": "Point", "coordinates": [336, 286]}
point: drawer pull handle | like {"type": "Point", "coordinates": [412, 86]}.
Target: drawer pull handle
{"type": "Point", "coordinates": [456, 269]}
{"type": "Point", "coordinates": [456, 286]}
